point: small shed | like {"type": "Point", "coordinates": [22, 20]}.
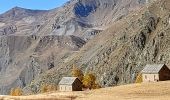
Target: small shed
{"type": "Point", "coordinates": [70, 84]}
{"type": "Point", "coordinates": [155, 72]}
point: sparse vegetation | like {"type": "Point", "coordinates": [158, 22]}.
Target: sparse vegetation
{"type": "Point", "coordinates": [16, 91]}
{"type": "Point", "coordinates": [77, 73]}
{"type": "Point", "coordinates": [33, 87]}
{"type": "Point", "coordinates": [96, 86]}
{"type": "Point", "coordinates": [48, 88]}
{"type": "Point", "coordinates": [52, 87]}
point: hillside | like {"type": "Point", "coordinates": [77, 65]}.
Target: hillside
{"type": "Point", "coordinates": [39, 47]}
{"type": "Point", "coordinates": [120, 52]}
{"type": "Point", "coordinates": [144, 91]}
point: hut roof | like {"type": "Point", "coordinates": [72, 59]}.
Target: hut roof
{"type": "Point", "coordinates": [154, 68]}
{"type": "Point", "coordinates": [67, 80]}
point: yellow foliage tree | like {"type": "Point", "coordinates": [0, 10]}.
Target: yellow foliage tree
{"type": "Point", "coordinates": [89, 81]}
{"type": "Point", "coordinates": [139, 78]}
{"type": "Point", "coordinates": [16, 91]}
{"type": "Point", "coordinates": [77, 73]}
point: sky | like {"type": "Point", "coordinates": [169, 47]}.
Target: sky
{"type": "Point", "coordinates": [5, 5]}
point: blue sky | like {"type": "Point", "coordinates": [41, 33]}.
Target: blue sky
{"type": "Point", "coordinates": [30, 4]}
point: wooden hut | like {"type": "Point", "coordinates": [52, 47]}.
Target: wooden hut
{"type": "Point", "coordinates": [155, 72]}
{"type": "Point", "coordinates": [70, 84]}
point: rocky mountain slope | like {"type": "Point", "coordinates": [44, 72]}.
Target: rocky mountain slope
{"type": "Point", "coordinates": [77, 17]}
{"type": "Point", "coordinates": [120, 52]}
{"type": "Point", "coordinates": [111, 38]}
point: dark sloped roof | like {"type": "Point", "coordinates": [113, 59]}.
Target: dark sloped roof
{"type": "Point", "coordinates": [67, 80]}
{"type": "Point", "coordinates": [154, 68]}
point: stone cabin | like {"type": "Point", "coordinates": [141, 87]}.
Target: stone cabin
{"type": "Point", "coordinates": [155, 73]}
{"type": "Point", "coordinates": [70, 84]}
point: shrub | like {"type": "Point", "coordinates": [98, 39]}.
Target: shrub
{"type": "Point", "coordinates": [48, 88]}
{"type": "Point", "coordinates": [44, 88]}
{"type": "Point", "coordinates": [16, 91]}
{"type": "Point", "coordinates": [96, 86]}
{"type": "Point", "coordinates": [51, 87]}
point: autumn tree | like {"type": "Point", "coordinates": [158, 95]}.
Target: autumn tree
{"type": "Point", "coordinates": [89, 81]}
{"type": "Point", "coordinates": [76, 72]}
{"type": "Point", "coordinates": [139, 78]}
{"type": "Point", "coordinates": [16, 91]}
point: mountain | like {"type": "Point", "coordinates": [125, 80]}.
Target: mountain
{"type": "Point", "coordinates": [78, 17]}
{"type": "Point", "coordinates": [17, 13]}
{"type": "Point", "coordinates": [111, 38]}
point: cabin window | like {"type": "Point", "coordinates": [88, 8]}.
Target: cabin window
{"type": "Point", "coordinates": [61, 88]}
{"type": "Point", "coordinates": [145, 76]}
{"type": "Point", "coordinates": [154, 76]}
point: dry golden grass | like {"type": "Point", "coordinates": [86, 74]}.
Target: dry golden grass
{"type": "Point", "coordinates": [144, 91]}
